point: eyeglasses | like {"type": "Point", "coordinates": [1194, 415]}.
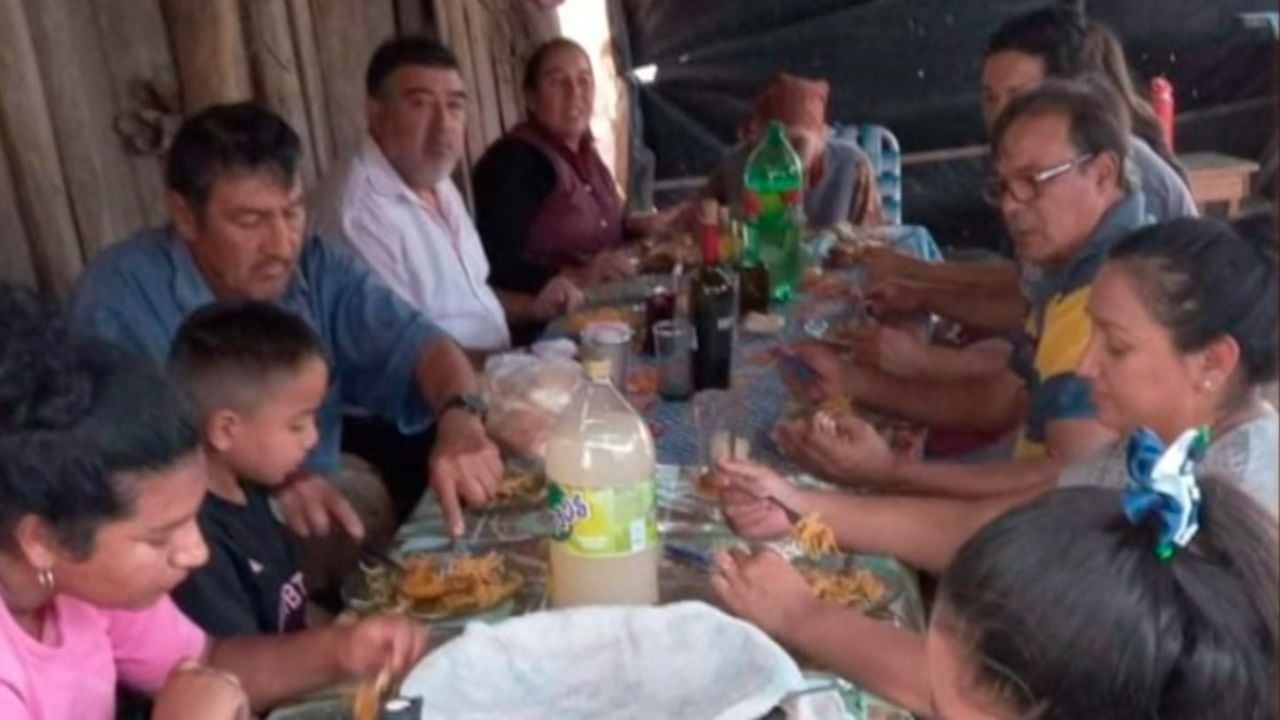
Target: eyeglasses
{"type": "Point", "coordinates": [1025, 188]}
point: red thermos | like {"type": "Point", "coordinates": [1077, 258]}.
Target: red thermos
{"type": "Point", "coordinates": [1162, 102]}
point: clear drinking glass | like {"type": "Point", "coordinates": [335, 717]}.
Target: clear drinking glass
{"type": "Point", "coordinates": [673, 346]}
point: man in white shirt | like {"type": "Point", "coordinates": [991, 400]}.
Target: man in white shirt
{"type": "Point", "coordinates": [396, 205]}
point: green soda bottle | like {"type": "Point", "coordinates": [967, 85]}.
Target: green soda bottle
{"type": "Point", "coordinates": [774, 183]}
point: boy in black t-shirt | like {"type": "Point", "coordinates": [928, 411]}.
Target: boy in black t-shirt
{"type": "Point", "coordinates": [257, 375]}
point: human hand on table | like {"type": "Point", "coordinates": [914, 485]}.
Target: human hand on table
{"type": "Point", "coordinates": [311, 505]}
{"type": "Point", "coordinates": [559, 296]}
{"type": "Point", "coordinates": [763, 589]}
{"type": "Point", "coordinates": [829, 372]}
{"type": "Point", "coordinates": [611, 265]}
{"type": "Point", "coordinates": [195, 690]}
{"type": "Point", "coordinates": [890, 350]}
{"type": "Point", "coordinates": [745, 499]}
{"type": "Point", "coordinates": [464, 466]}
{"type": "Point", "coordinates": [844, 449]}
{"type": "Point", "coordinates": [393, 643]}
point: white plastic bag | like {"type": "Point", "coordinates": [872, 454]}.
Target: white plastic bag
{"type": "Point", "coordinates": [525, 394]}
{"type": "Point", "coordinates": [686, 660]}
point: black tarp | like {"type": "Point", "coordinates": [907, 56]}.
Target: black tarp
{"type": "Point", "coordinates": [913, 66]}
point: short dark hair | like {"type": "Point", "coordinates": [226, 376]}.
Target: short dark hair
{"type": "Point", "coordinates": [1065, 610]}
{"type": "Point", "coordinates": [229, 138]}
{"type": "Point", "coordinates": [226, 352]}
{"type": "Point", "coordinates": [404, 50]}
{"type": "Point", "coordinates": [79, 420]}
{"type": "Point", "coordinates": [1202, 280]}
{"type": "Point", "coordinates": [1054, 34]}
{"type": "Point", "coordinates": [533, 67]}
{"type": "Point", "coordinates": [1093, 112]}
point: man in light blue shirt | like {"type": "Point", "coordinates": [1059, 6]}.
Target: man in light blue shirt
{"type": "Point", "coordinates": [238, 232]}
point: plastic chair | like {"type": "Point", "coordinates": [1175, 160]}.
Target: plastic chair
{"type": "Point", "coordinates": [881, 146]}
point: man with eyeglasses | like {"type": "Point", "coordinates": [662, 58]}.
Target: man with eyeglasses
{"type": "Point", "coordinates": [1059, 181]}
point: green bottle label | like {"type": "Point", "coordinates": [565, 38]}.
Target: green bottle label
{"type": "Point", "coordinates": [604, 522]}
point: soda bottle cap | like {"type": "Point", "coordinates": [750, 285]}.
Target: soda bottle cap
{"type": "Point", "coordinates": [597, 368]}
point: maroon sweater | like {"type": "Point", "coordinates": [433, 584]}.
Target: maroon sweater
{"type": "Point", "coordinates": [541, 206]}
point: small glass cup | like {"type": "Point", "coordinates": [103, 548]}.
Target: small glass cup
{"type": "Point", "coordinates": [659, 305]}
{"type": "Point", "coordinates": [720, 418]}
{"type": "Point", "coordinates": [612, 341]}
{"type": "Point", "coordinates": [673, 346]}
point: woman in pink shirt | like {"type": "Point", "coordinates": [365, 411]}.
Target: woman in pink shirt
{"type": "Point", "coordinates": [100, 479]}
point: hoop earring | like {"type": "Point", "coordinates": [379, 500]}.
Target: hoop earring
{"type": "Point", "coordinates": [46, 580]}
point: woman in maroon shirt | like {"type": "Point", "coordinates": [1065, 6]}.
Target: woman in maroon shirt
{"type": "Point", "coordinates": [545, 201]}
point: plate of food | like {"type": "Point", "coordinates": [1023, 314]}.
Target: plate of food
{"type": "Point", "coordinates": [435, 587]}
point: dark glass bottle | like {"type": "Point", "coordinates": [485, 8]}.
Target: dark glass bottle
{"type": "Point", "coordinates": [713, 308]}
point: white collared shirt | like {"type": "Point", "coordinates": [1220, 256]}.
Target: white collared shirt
{"type": "Point", "coordinates": [434, 260]}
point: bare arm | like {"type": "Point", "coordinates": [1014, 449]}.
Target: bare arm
{"type": "Point", "coordinates": [994, 403]}
{"type": "Point", "coordinates": [983, 359]}
{"type": "Point", "coordinates": [875, 655]}
{"type": "Point", "coordinates": [275, 668]}
{"type": "Point", "coordinates": [443, 371]}
{"type": "Point", "coordinates": [995, 309]}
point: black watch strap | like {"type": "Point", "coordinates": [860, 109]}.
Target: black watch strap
{"type": "Point", "coordinates": [471, 402]}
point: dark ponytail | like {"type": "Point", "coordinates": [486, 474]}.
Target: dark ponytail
{"type": "Point", "coordinates": [1065, 611]}
{"type": "Point", "coordinates": [79, 421]}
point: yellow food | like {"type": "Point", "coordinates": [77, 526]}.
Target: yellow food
{"type": "Point", "coordinates": [366, 705]}
{"type": "Point", "coordinates": [852, 588]}
{"type": "Point", "coordinates": [440, 586]}
{"type": "Point", "coordinates": [815, 537]}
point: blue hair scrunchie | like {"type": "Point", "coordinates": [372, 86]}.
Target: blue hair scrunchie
{"type": "Point", "coordinates": [1162, 485]}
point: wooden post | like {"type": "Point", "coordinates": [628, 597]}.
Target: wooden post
{"type": "Point", "coordinates": [27, 131]}
{"type": "Point", "coordinates": [102, 191]}
{"type": "Point", "coordinates": [139, 57]}
{"type": "Point", "coordinates": [304, 40]}
{"type": "Point", "coordinates": [342, 39]}
{"type": "Point", "coordinates": [208, 46]}
{"type": "Point", "coordinates": [411, 17]}
{"type": "Point", "coordinates": [482, 23]}
{"type": "Point", "coordinates": [380, 23]}
{"type": "Point", "coordinates": [15, 245]}
{"type": "Point", "coordinates": [277, 78]}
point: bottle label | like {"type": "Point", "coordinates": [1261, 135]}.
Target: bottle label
{"type": "Point", "coordinates": [604, 522]}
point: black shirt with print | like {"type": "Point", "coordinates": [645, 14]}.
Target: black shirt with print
{"type": "Point", "coordinates": [252, 584]}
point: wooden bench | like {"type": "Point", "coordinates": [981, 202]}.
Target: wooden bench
{"type": "Point", "coordinates": [1216, 178]}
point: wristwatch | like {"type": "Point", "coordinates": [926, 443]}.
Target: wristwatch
{"type": "Point", "coordinates": [471, 402]}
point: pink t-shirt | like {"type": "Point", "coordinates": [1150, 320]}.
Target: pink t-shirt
{"type": "Point", "coordinates": [75, 677]}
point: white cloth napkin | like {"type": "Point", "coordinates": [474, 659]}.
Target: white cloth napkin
{"type": "Point", "coordinates": [686, 660]}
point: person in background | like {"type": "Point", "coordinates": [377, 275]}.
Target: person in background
{"type": "Point", "coordinates": [1184, 317]}
{"type": "Point", "coordinates": [256, 375]}
{"type": "Point", "coordinates": [1062, 190]}
{"type": "Point", "coordinates": [1086, 603]}
{"type": "Point", "coordinates": [238, 232]}
{"type": "Point", "coordinates": [840, 183]}
{"type": "Point", "coordinates": [546, 204]}
{"type": "Point", "coordinates": [101, 478]}
{"type": "Point", "coordinates": [394, 201]}
{"type": "Point", "coordinates": [1024, 52]}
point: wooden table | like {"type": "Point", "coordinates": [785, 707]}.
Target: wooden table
{"type": "Point", "coordinates": [1215, 178]}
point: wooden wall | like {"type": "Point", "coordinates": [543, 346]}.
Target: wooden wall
{"type": "Point", "coordinates": [94, 89]}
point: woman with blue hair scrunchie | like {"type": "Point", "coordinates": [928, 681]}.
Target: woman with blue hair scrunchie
{"type": "Point", "coordinates": [1158, 601]}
